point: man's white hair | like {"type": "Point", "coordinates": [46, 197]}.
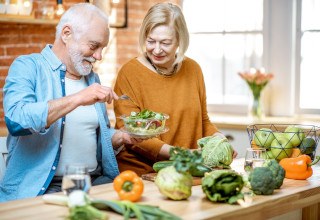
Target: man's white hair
{"type": "Point", "coordinates": [78, 17]}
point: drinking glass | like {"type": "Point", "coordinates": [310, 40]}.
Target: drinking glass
{"type": "Point", "coordinates": [255, 157]}
{"type": "Point", "coordinates": [76, 177]}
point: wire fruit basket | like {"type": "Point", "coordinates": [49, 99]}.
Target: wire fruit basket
{"type": "Point", "coordinates": [284, 140]}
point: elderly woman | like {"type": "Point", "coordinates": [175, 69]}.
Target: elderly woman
{"type": "Point", "coordinates": [163, 80]}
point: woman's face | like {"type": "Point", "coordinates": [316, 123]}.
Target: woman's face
{"type": "Point", "coordinates": [161, 46]}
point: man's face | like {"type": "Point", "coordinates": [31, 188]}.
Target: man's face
{"type": "Point", "coordinates": [86, 46]}
{"type": "Point", "coordinates": [82, 64]}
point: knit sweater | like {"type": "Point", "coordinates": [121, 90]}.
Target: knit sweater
{"type": "Point", "coordinates": [182, 96]}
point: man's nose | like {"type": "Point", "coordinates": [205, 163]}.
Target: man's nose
{"type": "Point", "coordinates": [98, 54]}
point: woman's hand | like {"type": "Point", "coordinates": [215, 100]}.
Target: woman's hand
{"type": "Point", "coordinates": [128, 139]}
{"type": "Point", "coordinates": [235, 153]}
{"type": "Point", "coordinates": [120, 138]}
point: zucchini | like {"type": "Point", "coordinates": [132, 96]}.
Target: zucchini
{"type": "Point", "coordinates": [162, 164]}
{"type": "Point", "coordinates": [199, 170]}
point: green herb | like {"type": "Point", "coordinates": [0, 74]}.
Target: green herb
{"type": "Point", "coordinates": [185, 159]}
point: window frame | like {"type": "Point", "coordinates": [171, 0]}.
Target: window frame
{"type": "Point", "coordinates": [299, 34]}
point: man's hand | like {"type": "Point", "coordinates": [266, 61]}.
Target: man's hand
{"type": "Point", "coordinates": [88, 96]}
{"type": "Point", "coordinates": [96, 93]}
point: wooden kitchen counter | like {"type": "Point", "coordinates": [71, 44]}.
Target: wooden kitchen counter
{"type": "Point", "coordinates": [293, 195]}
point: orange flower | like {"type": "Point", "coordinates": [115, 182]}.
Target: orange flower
{"type": "Point", "coordinates": [256, 80]}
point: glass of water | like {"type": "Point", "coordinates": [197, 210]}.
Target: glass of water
{"type": "Point", "coordinates": [76, 177]}
{"type": "Point", "coordinates": [255, 157]}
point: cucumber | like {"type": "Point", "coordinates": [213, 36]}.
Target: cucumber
{"type": "Point", "coordinates": [162, 164]}
{"type": "Point", "coordinates": [197, 171]}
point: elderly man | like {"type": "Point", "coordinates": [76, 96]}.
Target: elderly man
{"type": "Point", "coordinates": [55, 110]}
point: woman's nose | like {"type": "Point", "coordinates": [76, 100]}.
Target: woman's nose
{"type": "Point", "coordinates": [157, 48]}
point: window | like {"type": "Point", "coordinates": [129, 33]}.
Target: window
{"type": "Point", "coordinates": [233, 35]}
{"type": "Point", "coordinates": [225, 37]}
{"type": "Point", "coordinates": [308, 65]}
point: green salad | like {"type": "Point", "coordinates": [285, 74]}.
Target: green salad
{"type": "Point", "coordinates": [146, 122]}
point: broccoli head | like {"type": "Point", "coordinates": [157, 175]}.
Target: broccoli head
{"type": "Point", "coordinates": [277, 171]}
{"type": "Point", "coordinates": [262, 181]}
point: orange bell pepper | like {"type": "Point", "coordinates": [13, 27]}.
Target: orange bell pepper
{"type": "Point", "coordinates": [298, 168]}
{"type": "Point", "coordinates": [296, 152]}
{"type": "Point", "coordinates": [128, 185]}
{"type": "Point", "coordinates": [254, 145]}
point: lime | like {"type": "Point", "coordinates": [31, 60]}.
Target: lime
{"type": "Point", "coordinates": [308, 145]}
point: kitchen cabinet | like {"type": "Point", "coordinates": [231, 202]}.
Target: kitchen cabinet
{"type": "Point", "coordinates": [239, 140]}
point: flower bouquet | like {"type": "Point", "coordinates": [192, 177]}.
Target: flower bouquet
{"type": "Point", "coordinates": [256, 80]}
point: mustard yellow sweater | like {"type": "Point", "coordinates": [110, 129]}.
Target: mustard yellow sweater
{"type": "Point", "coordinates": [181, 96]}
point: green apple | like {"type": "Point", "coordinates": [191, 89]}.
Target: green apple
{"type": "Point", "coordinates": [281, 148]}
{"type": "Point", "coordinates": [267, 155]}
{"type": "Point", "coordinates": [308, 145]}
{"type": "Point", "coordinates": [294, 134]}
{"type": "Point", "coordinates": [264, 137]}
{"type": "Point", "coordinates": [278, 134]}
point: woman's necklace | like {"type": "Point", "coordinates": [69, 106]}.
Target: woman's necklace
{"type": "Point", "coordinates": [161, 72]}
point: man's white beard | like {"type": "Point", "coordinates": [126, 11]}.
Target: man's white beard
{"type": "Point", "coordinates": [77, 60]}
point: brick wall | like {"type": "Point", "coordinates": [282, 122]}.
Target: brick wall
{"type": "Point", "coordinates": [17, 39]}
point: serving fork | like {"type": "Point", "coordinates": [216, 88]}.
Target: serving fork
{"type": "Point", "coordinates": [126, 97]}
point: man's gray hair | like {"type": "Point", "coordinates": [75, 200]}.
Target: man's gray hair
{"type": "Point", "coordinates": [78, 17]}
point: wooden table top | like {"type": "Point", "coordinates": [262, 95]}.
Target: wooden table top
{"type": "Point", "coordinates": [294, 194]}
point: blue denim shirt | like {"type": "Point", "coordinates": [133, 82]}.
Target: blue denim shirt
{"type": "Point", "coordinates": [34, 151]}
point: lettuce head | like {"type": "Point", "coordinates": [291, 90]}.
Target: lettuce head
{"type": "Point", "coordinates": [216, 151]}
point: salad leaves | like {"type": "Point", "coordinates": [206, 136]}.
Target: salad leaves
{"type": "Point", "coordinates": [146, 122]}
{"type": "Point", "coordinates": [146, 114]}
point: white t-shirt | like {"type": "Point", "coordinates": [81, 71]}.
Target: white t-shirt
{"type": "Point", "coordinates": [79, 143]}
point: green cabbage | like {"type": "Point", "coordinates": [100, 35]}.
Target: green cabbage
{"type": "Point", "coordinates": [216, 151]}
{"type": "Point", "coordinates": [173, 184]}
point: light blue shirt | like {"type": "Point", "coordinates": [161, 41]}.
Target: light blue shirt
{"type": "Point", "coordinates": [34, 151]}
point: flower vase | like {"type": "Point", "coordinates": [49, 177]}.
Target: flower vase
{"type": "Point", "coordinates": [256, 108]}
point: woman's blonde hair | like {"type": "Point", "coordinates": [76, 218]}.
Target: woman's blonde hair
{"type": "Point", "coordinates": [166, 14]}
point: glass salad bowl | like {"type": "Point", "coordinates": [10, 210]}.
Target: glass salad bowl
{"type": "Point", "coordinates": [145, 124]}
